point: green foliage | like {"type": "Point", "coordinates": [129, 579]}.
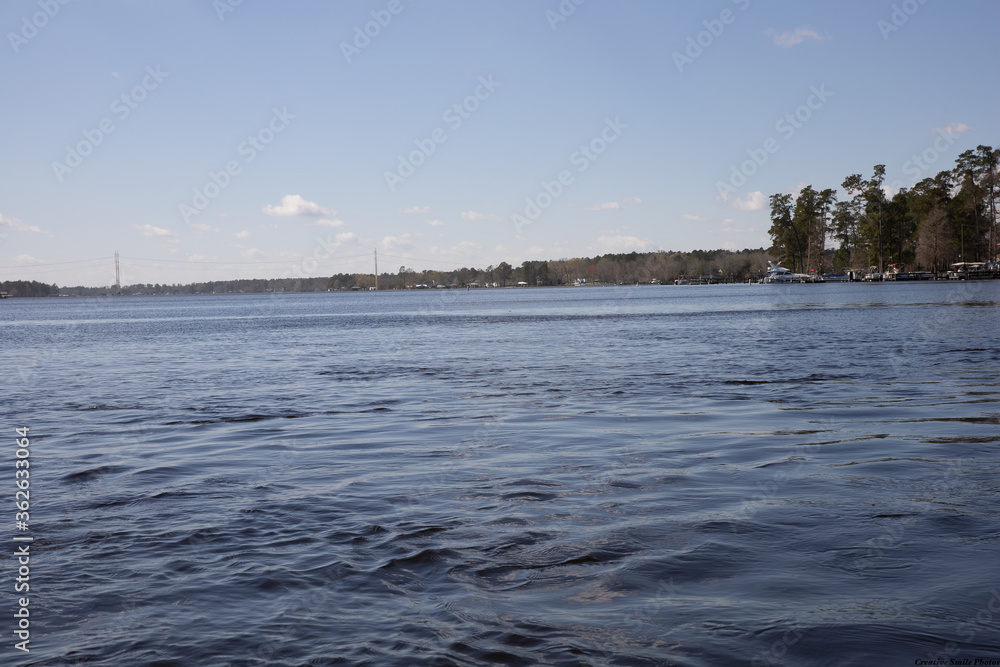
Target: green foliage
{"type": "Point", "coordinates": [939, 220]}
{"type": "Point", "coordinates": [23, 288]}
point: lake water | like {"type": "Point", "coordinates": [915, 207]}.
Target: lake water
{"type": "Point", "coordinates": [703, 476]}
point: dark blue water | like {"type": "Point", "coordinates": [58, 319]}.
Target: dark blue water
{"type": "Point", "coordinates": [718, 475]}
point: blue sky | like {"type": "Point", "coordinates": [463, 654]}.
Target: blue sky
{"type": "Point", "coordinates": [212, 140]}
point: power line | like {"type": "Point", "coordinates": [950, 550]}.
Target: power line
{"type": "Point", "coordinates": [429, 261]}
{"type": "Point", "coordinates": [284, 262]}
{"type": "Point", "coordinates": [79, 261]}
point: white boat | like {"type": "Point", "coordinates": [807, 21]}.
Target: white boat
{"type": "Point", "coordinates": [779, 274]}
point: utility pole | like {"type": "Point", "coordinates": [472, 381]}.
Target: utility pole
{"type": "Point", "coordinates": [880, 269]}
{"type": "Point", "coordinates": [376, 269]}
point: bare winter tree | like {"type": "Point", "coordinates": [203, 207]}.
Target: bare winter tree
{"type": "Point", "coordinates": [934, 243]}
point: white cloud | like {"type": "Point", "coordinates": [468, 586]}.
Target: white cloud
{"type": "Point", "coordinates": [955, 128]}
{"type": "Point", "coordinates": [345, 238]}
{"type": "Point", "coordinates": [202, 227]}
{"type": "Point", "coordinates": [535, 250]}
{"type": "Point", "coordinates": [755, 201]}
{"type": "Point", "coordinates": [26, 259]}
{"type": "Point", "coordinates": [254, 253]}
{"type": "Point", "coordinates": [475, 215]}
{"type": "Point", "coordinates": [792, 37]}
{"type": "Point", "coordinates": [620, 243]}
{"type": "Point", "coordinates": [435, 223]}
{"type": "Point", "coordinates": [466, 248]}
{"type": "Point", "coordinates": [16, 225]}
{"type": "Point", "coordinates": [797, 190]}
{"type": "Point", "coordinates": [603, 206]}
{"type": "Point", "coordinates": [402, 242]}
{"type": "Point", "coordinates": [155, 232]}
{"type": "Point", "coordinates": [242, 235]}
{"type": "Point", "coordinates": [292, 205]}
{"type": "Point", "coordinates": [417, 209]}
{"type": "Point", "coordinates": [632, 200]}
{"type": "Point", "coordinates": [464, 251]}
{"type": "Point", "coordinates": [197, 258]}
{"type": "Point", "coordinates": [323, 222]}
{"type": "Point", "coordinates": [693, 218]}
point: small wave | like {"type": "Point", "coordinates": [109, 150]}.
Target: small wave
{"type": "Point", "coordinates": [82, 476]}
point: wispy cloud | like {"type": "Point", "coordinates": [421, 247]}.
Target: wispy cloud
{"type": "Point", "coordinates": [202, 227]}
{"type": "Point", "coordinates": [417, 209]}
{"type": "Point", "coordinates": [324, 222]}
{"type": "Point", "coordinates": [693, 218]}
{"type": "Point", "coordinates": [292, 205]}
{"type": "Point", "coordinates": [27, 259]}
{"type": "Point", "coordinates": [344, 239]}
{"type": "Point", "coordinates": [603, 206]}
{"type": "Point", "coordinates": [475, 215]}
{"type": "Point", "coordinates": [790, 38]}
{"type": "Point", "coordinates": [613, 205]}
{"type": "Point", "coordinates": [955, 128]}
{"type": "Point", "coordinates": [401, 242]}
{"type": "Point", "coordinates": [623, 243]}
{"type": "Point", "coordinates": [727, 226]}
{"type": "Point", "coordinates": [242, 235]}
{"type": "Point", "coordinates": [16, 225]}
{"type": "Point", "coordinates": [254, 253]}
{"type": "Point", "coordinates": [435, 223]}
{"type": "Point", "coordinates": [755, 201]}
{"type": "Point", "coordinates": [156, 232]}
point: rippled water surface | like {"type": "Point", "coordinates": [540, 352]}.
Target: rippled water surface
{"type": "Point", "coordinates": [717, 475]}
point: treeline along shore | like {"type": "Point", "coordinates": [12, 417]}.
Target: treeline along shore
{"type": "Point", "coordinates": [624, 268]}
{"type": "Point", "coordinates": [942, 220]}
